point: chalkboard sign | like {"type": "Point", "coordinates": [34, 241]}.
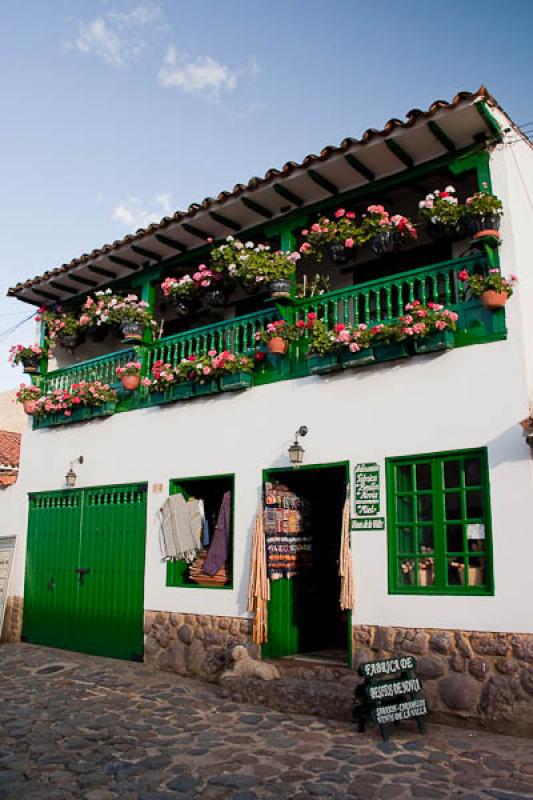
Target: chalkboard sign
{"type": "Point", "coordinates": [385, 699]}
{"type": "Point", "coordinates": [367, 491]}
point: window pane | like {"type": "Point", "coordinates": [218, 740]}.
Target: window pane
{"type": "Point", "coordinates": [425, 508]}
{"type": "Point", "coordinates": [476, 545]}
{"type": "Point", "coordinates": [423, 476]}
{"type": "Point", "coordinates": [426, 572]}
{"type": "Point", "coordinates": [425, 540]}
{"type": "Point", "coordinates": [473, 471]}
{"type": "Point", "coordinates": [404, 479]}
{"type": "Point", "coordinates": [406, 572]}
{"type": "Point", "coordinates": [454, 538]}
{"type": "Point", "coordinates": [456, 572]}
{"type": "Point", "coordinates": [406, 542]}
{"type": "Point", "coordinates": [474, 505]}
{"type": "Point", "coordinates": [405, 509]}
{"type": "Point", "coordinates": [476, 572]}
{"type": "Point", "coordinates": [452, 474]}
{"type": "Point", "coordinates": [453, 505]}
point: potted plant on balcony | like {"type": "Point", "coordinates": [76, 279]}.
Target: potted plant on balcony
{"type": "Point", "coordinates": [164, 386]}
{"type": "Point", "coordinates": [482, 214]}
{"type": "Point", "coordinates": [94, 318]}
{"type": "Point", "coordinates": [389, 341]}
{"type": "Point", "coordinates": [130, 375]}
{"type": "Point", "coordinates": [443, 215]}
{"type": "Point", "coordinates": [340, 236]}
{"type": "Point", "coordinates": [28, 396]}
{"type": "Point", "coordinates": [386, 233]}
{"type": "Point", "coordinates": [431, 326]}
{"type": "Point", "coordinates": [256, 266]}
{"type": "Point", "coordinates": [183, 292]}
{"type": "Point", "coordinates": [324, 348]}
{"type": "Point", "coordinates": [493, 289]}
{"type": "Point", "coordinates": [215, 285]}
{"type": "Point", "coordinates": [356, 345]}
{"type": "Point", "coordinates": [27, 355]}
{"type": "Point", "coordinates": [277, 336]}
{"type": "Point", "coordinates": [234, 371]}
{"type": "Point", "coordinates": [62, 327]}
{"type": "Point", "coordinates": [98, 398]}
{"type": "Point", "coordinates": [199, 370]}
{"type": "Point", "coordinates": [131, 314]}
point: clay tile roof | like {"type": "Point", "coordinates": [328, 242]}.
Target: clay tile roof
{"type": "Point", "coordinates": [9, 449]}
{"type": "Point", "coordinates": [289, 168]}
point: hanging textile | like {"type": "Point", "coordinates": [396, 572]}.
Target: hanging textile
{"type": "Point", "coordinates": [219, 548]}
{"type": "Point", "coordinates": [259, 585]}
{"type": "Point", "coordinates": [180, 532]}
{"type": "Point", "coordinates": [289, 544]}
{"type": "Point", "coordinates": [347, 596]}
{"type": "Point", "coordinates": [205, 524]}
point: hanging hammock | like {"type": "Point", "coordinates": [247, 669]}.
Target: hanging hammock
{"type": "Point", "coordinates": [347, 597]}
{"type": "Point", "coordinates": [259, 586]}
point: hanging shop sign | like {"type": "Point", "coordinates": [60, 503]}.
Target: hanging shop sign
{"type": "Point", "coordinates": [390, 692]}
{"type": "Point", "coordinates": [367, 498]}
{"type": "Point", "coordinates": [372, 524]}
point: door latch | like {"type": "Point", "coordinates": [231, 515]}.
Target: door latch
{"type": "Point", "coordinates": [82, 572]}
{"type": "Point", "coordinates": [51, 584]}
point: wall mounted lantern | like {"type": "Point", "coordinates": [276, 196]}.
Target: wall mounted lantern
{"type": "Point", "coordinates": [296, 451]}
{"type": "Point", "coordinates": [71, 477]}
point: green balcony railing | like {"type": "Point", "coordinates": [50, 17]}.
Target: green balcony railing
{"type": "Point", "coordinates": [101, 368]}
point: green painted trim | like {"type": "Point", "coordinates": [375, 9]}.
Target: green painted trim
{"type": "Point", "coordinates": [174, 484]}
{"type": "Point", "coordinates": [440, 553]}
{"type": "Point", "coordinates": [476, 161]}
{"type": "Point", "coordinates": [441, 136]}
{"type": "Point", "coordinates": [489, 120]}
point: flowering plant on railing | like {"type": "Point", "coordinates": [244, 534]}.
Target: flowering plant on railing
{"type": "Point", "coordinates": [227, 363]}
{"type": "Point", "coordinates": [180, 288]}
{"type": "Point", "coordinates": [339, 234]}
{"type": "Point", "coordinates": [130, 375]}
{"type": "Point", "coordinates": [86, 394]}
{"type": "Point", "coordinates": [322, 340]}
{"type": "Point", "coordinates": [493, 281]}
{"type": "Point", "coordinates": [27, 355]}
{"type": "Point", "coordinates": [353, 337]}
{"type": "Point", "coordinates": [197, 368]}
{"type": "Point", "coordinates": [386, 233]}
{"type": "Point", "coordinates": [62, 327]}
{"type": "Point", "coordinates": [442, 212]}
{"type": "Point", "coordinates": [423, 320]}
{"type": "Point", "coordinates": [128, 309]}
{"type": "Point", "coordinates": [280, 329]}
{"type": "Point", "coordinates": [387, 332]}
{"type": "Point", "coordinates": [254, 264]}
{"type": "Point", "coordinates": [28, 395]}
{"type": "Point", "coordinates": [163, 376]}
{"type": "Point", "coordinates": [483, 212]}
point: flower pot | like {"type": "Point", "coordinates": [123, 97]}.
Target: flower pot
{"type": "Point", "coordinates": [391, 351]}
{"type": "Point", "coordinates": [215, 298]}
{"type": "Point", "coordinates": [338, 253]}
{"type": "Point", "coordinates": [202, 389]}
{"type": "Point", "coordinates": [279, 288]}
{"type": "Point", "coordinates": [132, 330]}
{"type": "Point", "coordinates": [105, 410]}
{"type": "Point", "coordinates": [29, 407]}
{"type": "Point", "coordinates": [97, 333]}
{"type": "Point", "coordinates": [481, 226]}
{"type": "Point", "coordinates": [434, 342]}
{"type": "Point", "coordinates": [30, 364]}
{"type": "Point", "coordinates": [181, 308]}
{"type": "Point", "coordinates": [181, 391]}
{"type": "Point", "coordinates": [277, 345]}
{"type": "Point", "coordinates": [445, 230]}
{"type": "Point", "coordinates": [69, 341]}
{"type": "Point", "coordinates": [320, 365]}
{"type": "Point", "coordinates": [236, 382]}
{"type": "Point", "coordinates": [359, 359]}
{"type": "Point", "coordinates": [386, 242]}
{"type": "Point", "coordinates": [131, 382]}
{"type": "Point", "coordinates": [493, 300]}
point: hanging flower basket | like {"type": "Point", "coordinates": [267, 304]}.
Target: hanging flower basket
{"type": "Point", "coordinates": [97, 333]}
{"type": "Point", "coordinates": [320, 365]}
{"type": "Point", "coordinates": [439, 230]}
{"type": "Point", "coordinates": [277, 345]}
{"type": "Point", "coordinates": [338, 253]}
{"type": "Point", "coordinates": [358, 359]}
{"type": "Point", "coordinates": [132, 330]}
{"type": "Point", "coordinates": [481, 226]}
{"type": "Point", "coordinates": [236, 382]}
{"type": "Point", "coordinates": [435, 342]}
{"type": "Point", "coordinates": [280, 288]}
{"type": "Point", "coordinates": [386, 242]}
{"type": "Point", "coordinates": [29, 407]}
{"type": "Point", "coordinates": [30, 364]}
{"type": "Point", "coordinates": [493, 300]}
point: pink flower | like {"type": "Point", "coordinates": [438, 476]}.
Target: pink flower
{"type": "Point", "coordinates": [354, 347]}
{"type": "Point", "coordinates": [350, 214]}
{"type": "Point", "coordinates": [349, 242]}
{"type": "Point", "coordinates": [305, 232]}
{"type": "Point", "coordinates": [339, 327]}
{"type": "Point", "coordinates": [305, 247]}
{"type": "Point", "coordinates": [315, 227]}
{"type": "Point", "coordinates": [207, 370]}
{"type": "Point", "coordinates": [463, 275]}
{"type": "Point", "coordinates": [440, 324]}
{"type": "Point", "coordinates": [340, 213]}
{"type": "Point", "coordinates": [513, 277]}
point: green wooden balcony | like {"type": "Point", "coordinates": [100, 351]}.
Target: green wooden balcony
{"type": "Point", "coordinates": [370, 302]}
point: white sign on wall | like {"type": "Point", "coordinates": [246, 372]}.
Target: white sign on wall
{"type": "Point", "coordinates": [7, 548]}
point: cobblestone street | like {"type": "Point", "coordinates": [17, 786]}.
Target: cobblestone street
{"type": "Point", "coordinates": [99, 729]}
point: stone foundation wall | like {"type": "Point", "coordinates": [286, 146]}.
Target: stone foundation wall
{"type": "Point", "coordinates": [470, 678]}
{"type": "Point", "coordinates": [194, 644]}
{"type": "Point", "coordinates": [12, 627]}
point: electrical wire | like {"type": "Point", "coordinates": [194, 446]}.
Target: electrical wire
{"type": "Point", "coordinates": [9, 331]}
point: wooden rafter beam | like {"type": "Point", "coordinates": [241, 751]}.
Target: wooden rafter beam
{"type": "Point", "coordinates": [287, 194]}
{"type": "Point", "coordinates": [143, 251]}
{"type": "Point", "coordinates": [222, 220]}
{"type": "Point", "coordinates": [81, 279]}
{"type": "Point", "coordinates": [166, 240]}
{"type": "Point", "coordinates": [322, 181]}
{"type": "Point", "coordinates": [359, 167]}
{"type": "Point", "coordinates": [105, 273]}
{"type": "Point", "coordinates": [263, 211]}
{"type": "Point", "coordinates": [124, 262]}
{"type": "Point", "coordinates": [42, 293]}
{"type": "Point", "coordinates": [441, 136]}
{"type": "Point", "coordinates": [401, 154]}
{"type": "Point", "coordinates": [194, 231]}
{"type": "Point", "coordinates": [62, 288]}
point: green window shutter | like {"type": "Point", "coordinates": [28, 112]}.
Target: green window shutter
{"type": "Point", "coordinates": [439, 524]}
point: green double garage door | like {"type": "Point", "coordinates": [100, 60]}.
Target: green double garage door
{"type": "Point", "coordinates": [84, 587]}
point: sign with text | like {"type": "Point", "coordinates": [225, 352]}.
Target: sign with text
{"type": "Point", "coordinates": [371, 524]}
{"type": "Point", "coordinates": [367, 490]}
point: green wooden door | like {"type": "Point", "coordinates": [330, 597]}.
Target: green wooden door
{"type": "Point", "coordinates": [85, 570]}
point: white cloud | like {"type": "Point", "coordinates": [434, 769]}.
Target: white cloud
{"type": "Point", "coordinates": [117, 37]}
{"type": "Point", "coordinates": [133, 215]}
{"type": "Point", "coordinates": [202, 75]}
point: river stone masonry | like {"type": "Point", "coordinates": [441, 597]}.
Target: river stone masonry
{"type": "Point", "coordinates": [197, 645]}
{"type": "Point", "coordinates": [470, 677]}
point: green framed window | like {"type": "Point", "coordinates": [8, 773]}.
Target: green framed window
{"type": "Point", "coordinates": [439, 523]}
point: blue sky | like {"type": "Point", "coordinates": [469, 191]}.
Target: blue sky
{"type": "Point", "coordinates": [117, 112]}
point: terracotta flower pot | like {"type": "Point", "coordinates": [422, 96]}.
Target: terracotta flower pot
{"type": "Point", "coordinates": [277, 345]}
{"type": "Point", "coordinates": [486, 232]}
{"type": "Point", "coordinates": [494, 300]}
{"type": "Point", "coordinates": [29, 407]}
{"type": "Point", "coordinates": [131, 382]}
